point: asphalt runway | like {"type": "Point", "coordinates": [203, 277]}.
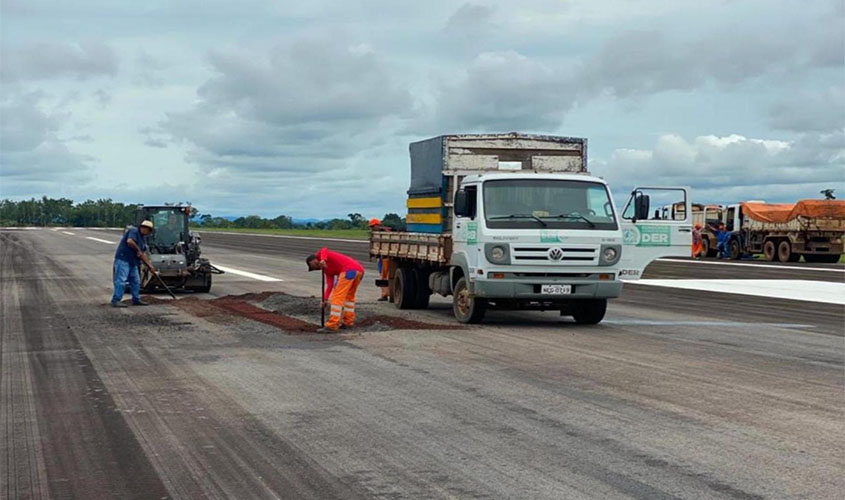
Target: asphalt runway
{"type": "Point", "coordinates": [679, 394]}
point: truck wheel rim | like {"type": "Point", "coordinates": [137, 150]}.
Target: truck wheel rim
{"type": "Point", "coordinates": [464, 302]}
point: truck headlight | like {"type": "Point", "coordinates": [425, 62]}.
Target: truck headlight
{"type": "Point", "coordinates": [497, 253]}
{"type": "Point", "coordinates": [610, 254]}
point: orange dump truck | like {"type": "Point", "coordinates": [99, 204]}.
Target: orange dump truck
{"type": "Point", "coordinates": [785, 232]}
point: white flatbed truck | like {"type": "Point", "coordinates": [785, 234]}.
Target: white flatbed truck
{"type": "Point", "coordinates": [515, 221]}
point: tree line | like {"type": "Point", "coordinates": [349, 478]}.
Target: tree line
{"type": "Point", "coordinates": [352, 221]}
{"type": "Point", "coordinates": [63, 212]}
{"type": "Point", "coordinates": [107, 213]}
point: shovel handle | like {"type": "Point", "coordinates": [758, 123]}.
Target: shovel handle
{"type": "Point", "coordinates": [322, 299]}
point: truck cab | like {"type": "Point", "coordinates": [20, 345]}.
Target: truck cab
{"type": "Point", "coordinates": [553, 241]}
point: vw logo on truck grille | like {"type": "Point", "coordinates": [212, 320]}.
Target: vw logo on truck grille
{"type": "Point", "coordinates": [555, 254]}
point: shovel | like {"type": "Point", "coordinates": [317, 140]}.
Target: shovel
{"type": "Point", "coordinates": [322, 299]}
{"type": "Point", "coordinates": [161, 282]}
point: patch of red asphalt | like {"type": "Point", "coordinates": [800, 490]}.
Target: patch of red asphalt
{"type": "Point", "coordinates": [280, 321]}
{"type": "Point", "coordinates": [240, 305]}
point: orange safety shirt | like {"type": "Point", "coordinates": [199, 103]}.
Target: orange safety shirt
{"type": "Point", "coordinates": [336, 263]}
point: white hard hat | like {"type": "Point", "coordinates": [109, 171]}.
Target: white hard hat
{"type": "Point", "coordinates": [147, 223]}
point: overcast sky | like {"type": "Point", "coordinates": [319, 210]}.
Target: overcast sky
{"type": "Point", "coordinates": [307, 108]}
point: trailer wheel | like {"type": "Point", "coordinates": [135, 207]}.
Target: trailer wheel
{"type": "Point", "coordinates": [785, 253]}
{"type": "Point", "coordinates": [589, 311]}
{"type": "Point", "coordinates": [404, 288]}
{"type": "Point", "coordinates": [467, 309]}
{"type": "Point", "coordinates": [770, 250]}
{"type": "Point", "coordinates": [423, 293]}
{"type": "Point", "coordinates": [735, 250]}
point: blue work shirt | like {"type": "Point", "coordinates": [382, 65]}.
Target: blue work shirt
{"type": "Point", "coordinates": [722, 236]}
{"type": "Point", "coordinates": [125, 252]}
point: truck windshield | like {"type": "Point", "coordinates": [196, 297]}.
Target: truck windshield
{"type": "Point", "coordinates": [544, 203]}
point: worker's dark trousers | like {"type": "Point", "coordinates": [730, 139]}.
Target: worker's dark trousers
{"type": "Point", "coordinates": [122, 271]}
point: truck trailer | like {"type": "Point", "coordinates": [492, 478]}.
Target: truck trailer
{"type": "Point", "coordinates": [783, 232]}
{"type": "Point", "coordinates": [516, 222]}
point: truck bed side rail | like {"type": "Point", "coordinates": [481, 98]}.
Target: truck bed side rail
{"type": "Point", "coordinates": [435, 248]}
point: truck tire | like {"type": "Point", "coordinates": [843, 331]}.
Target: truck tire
{"type": "Point", "coordinates": [734, 250]}
{"type": "Point", "coordinates": [770, 250]}
{"type": "Point", "coordinates": [467, 309]}
{"type": "Point", "coordinates": [404, 288]}
{"type": "Point", "coordinates": [423, 293]}
{"type": "Point", "coordinates": [589, 311]}
{"type": "Point", "coordinates": [785, 253]}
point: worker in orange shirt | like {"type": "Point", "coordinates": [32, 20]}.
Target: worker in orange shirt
{"type": "Point", "coordinates": [383, 262]}
{"type": "Point", "coordinates": [697, 244]}
{"type": "Point", "coordinates": [341, 296]}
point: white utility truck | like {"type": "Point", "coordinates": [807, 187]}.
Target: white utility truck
{"type": "Point", "coordinates": [515, 221]}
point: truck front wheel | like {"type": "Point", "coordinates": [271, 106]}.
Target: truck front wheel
{"type": "Point", "coordinates": [589, 311]}
{"type": "Point", "coordinates": [467, 309]}
{"type": "Point", "coordinates": [735, 250]}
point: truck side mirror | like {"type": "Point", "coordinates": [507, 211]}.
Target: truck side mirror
{"type": "Point", "coordinates": [641, 206]}
{"type": "Point", "coordinates": [461, 203]}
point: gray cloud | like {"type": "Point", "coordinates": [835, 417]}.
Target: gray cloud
{"type": "Point", "coordinates": [757, 168]}
{"type": "Point", "coordinates": [502, 91]}
{"type": "Point", "coordinates": [469, 19]}
{"type": "Point", "coordinates": [30, 152]}
{"type": "Point", "coordinates": [315, 98]}
{"type": "Point", "coordinates": [510, 90]}
{"type": "Point", "coordinates": [804, 111]}
{"type": "Point", "coordinates": [46, 60]}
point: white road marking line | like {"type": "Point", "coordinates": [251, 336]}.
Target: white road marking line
{"type": "Point", "coordinates": [259, 277]}
{"type": "Point", "coordinates": [769, 266]}
{"type": "Point", "coordinates": [363, 242]}
{"type": "Point", "coordinates": [648, 322]}
{"type": "Point", "coordinates": [68, 232]}
{"type": "Point", "coordinates": [804, 290]}
{"type": "Point", "coordinates": [101, 241]}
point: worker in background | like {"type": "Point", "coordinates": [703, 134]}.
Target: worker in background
{"type": "Point", "coordinates": [697, 245]}
{"type": "Point", "coordinates": [383, 262]}
{"type": "Point", "coordinates": [340, 296]}
{"type": "Point", "coordinates": [722, 240]}
{"type": "Point", "coordinates": [131, 251]}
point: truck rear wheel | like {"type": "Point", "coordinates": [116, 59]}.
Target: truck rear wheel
{"type": "Point", "coordinates": [770, 250]}
{"type": "Point", "coordinates": [785, 253]}
{"type": "Point", "coordinates": [467, 309]}
{"type": "Point", "coordinates": [589, 311]}
{"type": "Point", "coordinates": [706, 250]}
{"type": "Point", "coordinates": [423, 293]}
{"type": "Point", "coordinates": [404, 288]}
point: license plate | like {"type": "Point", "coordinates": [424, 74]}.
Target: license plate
{"type": "Point", "coordinates": [556, 289]}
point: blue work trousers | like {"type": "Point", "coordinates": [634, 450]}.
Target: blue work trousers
{"type": "Point", "coordinates": [122, 271]}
